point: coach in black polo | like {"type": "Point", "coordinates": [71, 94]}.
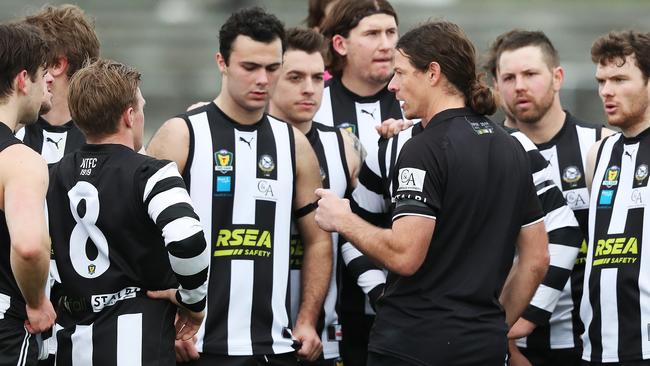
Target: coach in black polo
{"type": "Point", "coordinates": [447, 301]}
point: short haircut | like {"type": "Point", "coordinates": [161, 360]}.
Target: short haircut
{"type": "Point", "coordinates": [516, 39]}
{"type": "Point", "coordinates": [306, 40]}
{"type": "Point", "coordinates": [22, 47]}
{"type": "Point", "coordinates": [252, 22]}
{"type": "Point", "coordinates": [447, 44]}
{"type": "Point", "coordinates": [99, 94]}
{"type": "Point", "coordinates": [316, 12]}
{"type": "Point", "coordinates": [345, 16]}
{"type": "Point", "coordinates": [69, 33]}
{"type": "Point", "coordinates": [616, 46]}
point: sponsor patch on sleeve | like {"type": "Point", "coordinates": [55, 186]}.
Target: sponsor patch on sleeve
{"type": "Point", "coordinates": [411, 179]}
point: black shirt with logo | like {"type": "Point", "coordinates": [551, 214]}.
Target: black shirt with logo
{"type": "Point", "coordinates": [473, 179]}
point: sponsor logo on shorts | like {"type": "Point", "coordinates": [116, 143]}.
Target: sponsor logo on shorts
{"type": "Point", "coordinates": [99, 302]}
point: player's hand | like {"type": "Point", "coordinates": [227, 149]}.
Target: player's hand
{"type": "Point", "coordinates": [187, 322]}
{"type": "Point", "coordinates": [392, 127]}
{"type": "Point", "coordinates": [196, 105]}
{"type": "Point", "coordinates": [521, 328]}
{"type": "Point", "coordinates": [40, 318]}
{"type": "Point", "coordinates": [516, 357]}
{"type": "Point", "coordinates": [186, 350]}
{"type": "Point", "coordinates": [311, 346]}
{"type": "Point", "coordinates": [330, 209]}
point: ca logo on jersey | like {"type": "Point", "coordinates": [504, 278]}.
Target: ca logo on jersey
{"type": "Point", "coordinates": [571, 175]}
{"type": "Point", "coordinates": [223, 161]}
{"type": "Point", "coordinates": [411, 179]}
{"type": "Point", "coordinates": [611, 178]}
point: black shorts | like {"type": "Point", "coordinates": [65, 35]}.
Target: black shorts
{"type": "Point", "coordinates": [135, 330]}
{"type": "Point", "coordinates": [378, 359]}
{"type": "Point", "coordinates": [285, 359]}
{"type": "Point", "coordinates": [553, 357]}
{"type": "Point", "coordinates": [17, 346]}
{"type": "Point", "coordinates": [356, 333]}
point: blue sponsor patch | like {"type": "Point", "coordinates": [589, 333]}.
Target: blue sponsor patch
{"type": "Point", "coordinates": [223, 184]}
{"type": "Point", "coordinates": [606, 196]}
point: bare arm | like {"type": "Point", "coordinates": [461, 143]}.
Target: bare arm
{"type": "Point", "coordinates": [401, 249]}
{"type": "Point", "coordinates": [25, 179]}
{"type": "Point", "coordinates": [354, 154]}
{"type": "Point", "coordinates": [527, 272]}
{"type": "Point", "coordinates": [317, 260]}
{"type": "Point", "coordinates": [171, 142]}
{"type": "Point", "coordinates": [606, 132]}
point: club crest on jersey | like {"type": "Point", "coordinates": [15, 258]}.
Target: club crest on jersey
{"type": "Point", "coordinates": [641, 172]}
{"type": "Point", "coordinates": [571, 174]}
{"type": "Point", "coordinates": [611, 179]}
{"type": "Point", "coordinates": [91, 269]}
{"type": "Point", "coordinates": [348, 127]}
{"type": "Point", "coordinates": [266, 164]}
{"type": "Point", "coordinates": [223, 161]}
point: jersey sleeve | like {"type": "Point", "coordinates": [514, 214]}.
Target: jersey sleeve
{"type": "Point", "coordinates": [564, 237]}
{"type": "Point", "coordinates": [169, 205]}
{"type": "Point", "coordinates": [418, 181]}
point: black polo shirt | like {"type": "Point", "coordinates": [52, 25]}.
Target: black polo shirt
{"type": "Point", "coordinates": [473, 179]}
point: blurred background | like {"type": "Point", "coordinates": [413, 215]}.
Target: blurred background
{"type": "Point", "coordinates": [173, 42]}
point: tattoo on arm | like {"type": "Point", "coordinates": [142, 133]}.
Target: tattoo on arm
{"type": "Point", "coordinates": [357, 145]}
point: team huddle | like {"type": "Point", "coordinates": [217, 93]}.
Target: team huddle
{"type": "Point", "coordinates": [344, 200]}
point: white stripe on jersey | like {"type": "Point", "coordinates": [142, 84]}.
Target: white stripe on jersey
{"type": "Point", "coordinates": [129, 339]}
{"type": "Point", "coordinates": [53, 146]}
{"type": "Point", "coordinates": [609, 313]}
{"type": "Point", "coordinates": [181, 228]}
{"type": "Point", "coordinates": [242, 276]}
{"type": "Point", "coordinates": [188, 266]}
{"type": "Point", "coordinates": [167, 198]}
{"type": "Point", "coordinates": [550, 155]}
{"type": "Point", "coordinates": [561, 329]}
{"type": "Point", "coordinates": [370, 279]}
{"type": "Point", "coordinates": [644, 285]}
{"type": "Point", "coordinates": [586, 138]}
{"type": "Point", "coordinates": [368, 200]}
{"type": "Point", "coordinates": [545, 298]}
{"type": "Point", "coordinates": [168, 171]}
{"type": "Point", "coordinates": [369, 116]}
{"type": "Point", "coordinates": [324, 114]}
{"type": "Point", "coordinates": [402, 137]}
{"type": "Point", "coordinates": [282, 232]}
{"type": "Point", "coordinates": [20, 134]}
{"type": "Point", "coordinates": [82, 345]}
{"type": "Point", "coordinates": [5, 304]}
{"type": "Point", "coordinates": [564, 256]}
{"type": "Point", "coordinates": [201, 186]}
{"type": "Point", "coordinates": [560, 217]}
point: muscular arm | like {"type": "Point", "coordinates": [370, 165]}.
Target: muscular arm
{"type": "Point", "coordinates": [527, 272]}
{"type": "Point", "coordinates": [401, 249]}
{"type": "Point", "coordinates": [171, 142]}
{"type": "Point", "coordinates": [354, 154]}
{"type": "Point", "coordinates": [317, 260]}
{"type": "Point", "coordinates": [25, 179]}
{"type": "Point", "coordinates": [590, 169]}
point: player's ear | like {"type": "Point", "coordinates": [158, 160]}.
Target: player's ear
{"type": "Point", "coordinates": [59, 68]}
{"type": "Point", "coordinates": [221, 62]}
{"type": "Point", "coordinates": [20, 82]}
{"type": "Point", "coordinates": [339, 44]}
{"type": "Point", "coordinates": [128, 117]}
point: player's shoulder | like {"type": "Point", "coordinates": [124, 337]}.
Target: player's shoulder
{"type": "Point", "coordinates": [578, 122]}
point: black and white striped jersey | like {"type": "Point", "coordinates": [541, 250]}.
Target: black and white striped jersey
{"type": "Point", "coordinates": [328, 145]}
{"type": "Point", "coordinates": [12, 303]}
{"type": "Point", "coordinates": [561, 225]}
{"type": "Point", "coordinates": [138, 216]}
{"type": "Point", "coordinates": [343, 108]}
{"type": "Point", "coordinates": [566, 153]}
{"type": "Point", "coordinates": [241, 178]}
{"type": "Point", "coordinates": [616, 296]}
{"type": "Point", "coordinates": [52, 142]}
{"type": "Point", "coordinates": [122, 223]}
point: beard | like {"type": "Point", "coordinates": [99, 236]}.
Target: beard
{"type": "Point", "coordinates": [537, 110]}
{"type": "Point", "coordinates": [633, 115]}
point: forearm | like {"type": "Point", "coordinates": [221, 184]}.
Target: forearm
{"type": "Point", "coordinates": [519, 288]}
{"type": "Point", "coordinates": [315, 279]}
{"type": "Point", "coordinates": [31, 273]}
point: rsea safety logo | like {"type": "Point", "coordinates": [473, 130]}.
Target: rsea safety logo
{"type": "Point", "coordinates": [243, 243]}
{"type": "Point", "coordinates": [616, 252]}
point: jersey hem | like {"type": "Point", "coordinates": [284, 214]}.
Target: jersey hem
{"type": "Point", "coordinates": [413, 214]}
{"type": "Point", "coordinates": [534, 222]}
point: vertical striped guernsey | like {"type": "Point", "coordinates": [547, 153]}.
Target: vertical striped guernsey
{"type": "Point", "coordinates": [241, 178]}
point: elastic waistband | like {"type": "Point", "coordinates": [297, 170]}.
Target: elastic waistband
{"type": "Point", "coordinates": [95, 303]}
